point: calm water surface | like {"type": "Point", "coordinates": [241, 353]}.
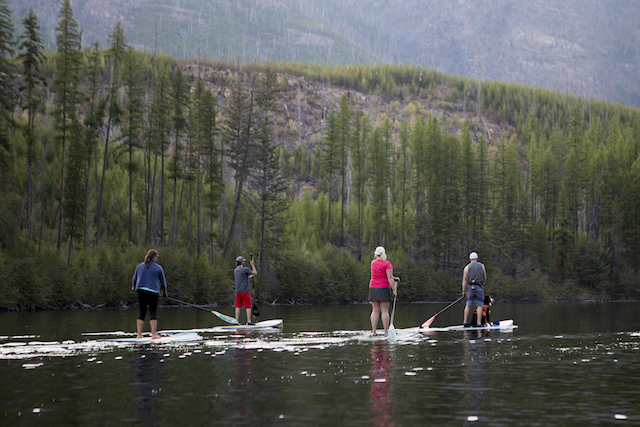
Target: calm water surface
{"type": "Point", "coordinates": [565, 364]}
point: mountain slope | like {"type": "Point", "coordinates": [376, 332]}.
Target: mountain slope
{"type": "Point", "coordinates": [588, 48]}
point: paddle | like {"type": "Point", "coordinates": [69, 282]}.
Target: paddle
{"type": "Point", "coordinates": [224, 317]}
{"type": "Point", "coordinates": [391, 333]}
{"type": "Point", "coordinates": [254, 309]}
{"type": "Point", "coordinates": [432, 318]}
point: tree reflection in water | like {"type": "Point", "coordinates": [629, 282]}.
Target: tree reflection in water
{"type": "Point", "coordinates": [145, 380]}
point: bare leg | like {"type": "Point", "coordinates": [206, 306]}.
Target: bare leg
{"type": "Point", "coordinates": [248, 315]}
{"type": "Point", "coordinates": [238, 315]}
{"type": "Point", "coordinates": [479, 315]}
{"type": "Point", "coordinates": [384, 310]}
{"type": "Point", "coordinates": [139, 326]}
{"type": "Point", "coordinates": [154, 328]}
{"type": "Point", "coordinates": [467, 312]}
{"type": "Point", "coordinates": [375, 315]}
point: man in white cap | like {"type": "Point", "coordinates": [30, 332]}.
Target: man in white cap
{"type": "Point", "coordinates": [243, 295]}
{"type": "Point", "coordinates": [474, 278]}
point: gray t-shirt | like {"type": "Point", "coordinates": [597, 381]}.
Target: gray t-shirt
{"type": "Point", "coordinates": [241, 276]}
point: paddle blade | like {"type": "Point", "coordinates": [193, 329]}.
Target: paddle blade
{"type": "Point", "coordinates": [391, 334]}
{"type": "Point", "coordinates": [226, 318]}
{"type": "Point", "coordinates": [255, 311]}
{"type": "Point", "coordinates": [428, 322]}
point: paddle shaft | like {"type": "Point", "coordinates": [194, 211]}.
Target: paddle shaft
{"type": "Point", "coordinates": [393, 311]}
{"type": "Point", "coordinates": [254, 307]}
{"type": "Point", "coordinates": [191, 305]}
{"type": "Point", "coordinates": [453, 303]}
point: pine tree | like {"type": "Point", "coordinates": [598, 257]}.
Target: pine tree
{"type": "Point", "coordinates": [7, 49]}
{"type": "Point", "coordinates": [74, 190]}
{"type": "Point", "coordinates": [66, 80]}
{"type": "Point", "coordinates": [239, 134]}
{"type": "Point", "coordinates": [92, 122]}
{"type": "Point", "coordinates": [116, 52]}
{"type": "Point", "coordinates": [179, 101]}
{"type": "Point", "coordinates": [331, 160]}
{"type": "Point", "coordinates": [270, 185]}
{"type": "Point", "coordinates": [31, 55]}
{"type": "Point", "coordinates": [343, 132]}
{"type": "Point", "coordinates": [133, 115]}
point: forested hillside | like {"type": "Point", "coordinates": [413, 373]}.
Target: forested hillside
{"type": "Point", "coordinates": [589, 48]}
{"type": "Point", "coordinates": [107, 151]}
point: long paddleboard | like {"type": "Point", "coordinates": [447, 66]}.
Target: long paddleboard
{"type": "Point", "coordinates": [500, 324]}
{"type": "Point", "coordinates": [273, 323]}
{"type": "Point", "coordinates": [401, 335]}
{"type": "Point", "coordinates": [164, 338]}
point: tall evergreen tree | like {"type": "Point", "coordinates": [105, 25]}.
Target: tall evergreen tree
{"type": "Point", "coordinates": [31, 55]}
{"type": "Point", "coordinates": [116, 53]}
{"type": "Point", "coordinates": [331, 160]}
{"type": "Point", "coordinates": [270, 184]}
{"type": "Point", "coordinates": [93, 119]}
{"type": "Point", "coordinates": [239, 134]}
{"type": "Point", "coordinates": [133, 115]}
{"type": "Point", "coordinates": [343, 132]}
{"type": "Point", "coordinates": [179, 102]}
{"type": "Point", "coordinates": [66, 80]}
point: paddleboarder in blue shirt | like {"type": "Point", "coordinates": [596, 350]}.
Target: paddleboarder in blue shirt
{"type": "Point", "coordinates": [243, 295]}
{"type": "Point", "coordinates": [474, 278]}
{"type": "Point", "coordinates": [149, 282]}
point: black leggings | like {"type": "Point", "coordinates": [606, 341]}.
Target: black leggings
{"type": "Point", "coordinates": [147, 299]}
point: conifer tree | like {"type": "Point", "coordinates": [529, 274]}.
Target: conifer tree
{"type": "Point", "coordinates": [133, 115]}
{"type": "Point", "coordinates": [65, 81]}
{"type": "Point", "coordinates": [179, 101]}
{"type": "Point", "coordinates": [331, 160]}
{"type": "Point", "coordinates": [7, 49]}
{"type": "Point", "coordinates": [116, 52]}
{"type": "Point", "coordinates": [93, 119]}
{"type": "Point", "coordinates": [31, 55]}
{"type": "Point", "coordinates": [270, 185]}
{"type": "Point", "coordinates": [343, 132]}
{"type": "Point", "coordinates": [239, 134]}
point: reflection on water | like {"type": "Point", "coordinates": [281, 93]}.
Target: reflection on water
{"type": "Point", "coordinates": [146, 374]}
{"type": "Point", "coordinates": [474, 360]}
{"type": "Point", "coordinates": [380, 395]}
{"type": "Point", "coordinates": [566, 364]}
{"type": "Point", "coordinates": [240, 390]}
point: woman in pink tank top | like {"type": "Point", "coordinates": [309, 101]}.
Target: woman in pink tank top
{"type": "Point", "coordinates": [381, 285]}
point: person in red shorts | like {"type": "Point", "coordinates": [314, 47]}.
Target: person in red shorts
{"type": "Point", "coordinates": [381, 286]}
{"type": "Point", "coordinates": [243, 297]}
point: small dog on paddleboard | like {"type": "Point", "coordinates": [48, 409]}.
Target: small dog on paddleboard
{"type": "Point", "coordinates": [486, 312]}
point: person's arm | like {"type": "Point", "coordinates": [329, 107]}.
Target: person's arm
{"type": "Point", "coordinates": [163, 284]}
{"type": "Point", "coordinates": [253, 268]}
{"type": "Point", "coordinates": [485, 274]}
{"type": "Point", "coordinates": [133, 280]}
{"type": "Point", "coordinates": [464, 280]}
{"type": "Point", "coordinates": [392, 282]}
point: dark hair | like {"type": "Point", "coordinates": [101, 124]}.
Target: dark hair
{"type": "Point", "coordinates": [150, 256]}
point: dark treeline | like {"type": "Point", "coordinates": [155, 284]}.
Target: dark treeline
{"type": "Point", "coordinates": [108, 151]}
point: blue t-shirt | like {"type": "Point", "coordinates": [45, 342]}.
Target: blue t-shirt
{"type": "Point", "coordinates": [241, 276]}
{"type": "Point", "coordinates": [150, 279]}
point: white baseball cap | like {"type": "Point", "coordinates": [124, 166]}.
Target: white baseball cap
{"type": "Point", "coordinates": [379, 250]}
{"type": "Point", "coordinates": [473, 255]}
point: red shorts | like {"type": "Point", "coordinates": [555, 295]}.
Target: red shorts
{"type": "Point", "coordinates": [245, 297]}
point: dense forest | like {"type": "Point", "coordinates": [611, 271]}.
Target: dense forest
{"type": "Point", "coordinates": [107, 151]}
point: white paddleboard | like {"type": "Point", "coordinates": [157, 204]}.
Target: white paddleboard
{"type": "Point", "coordinates": [273, 323]}
{"type": "Point", "coordinates": [500, 324]}
{"type": "Point", "coordinates": [164, 338]}
{"type": "Point", "coordinates": [401, 335]}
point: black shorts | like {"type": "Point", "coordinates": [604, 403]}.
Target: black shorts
{"type": "Point", "coordinates": [379, 294]}
{"type": "Point", "coordinates": [147, 299]}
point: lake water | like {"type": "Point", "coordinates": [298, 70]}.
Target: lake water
{"type": "Point", "coordinates": [565, 364]}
